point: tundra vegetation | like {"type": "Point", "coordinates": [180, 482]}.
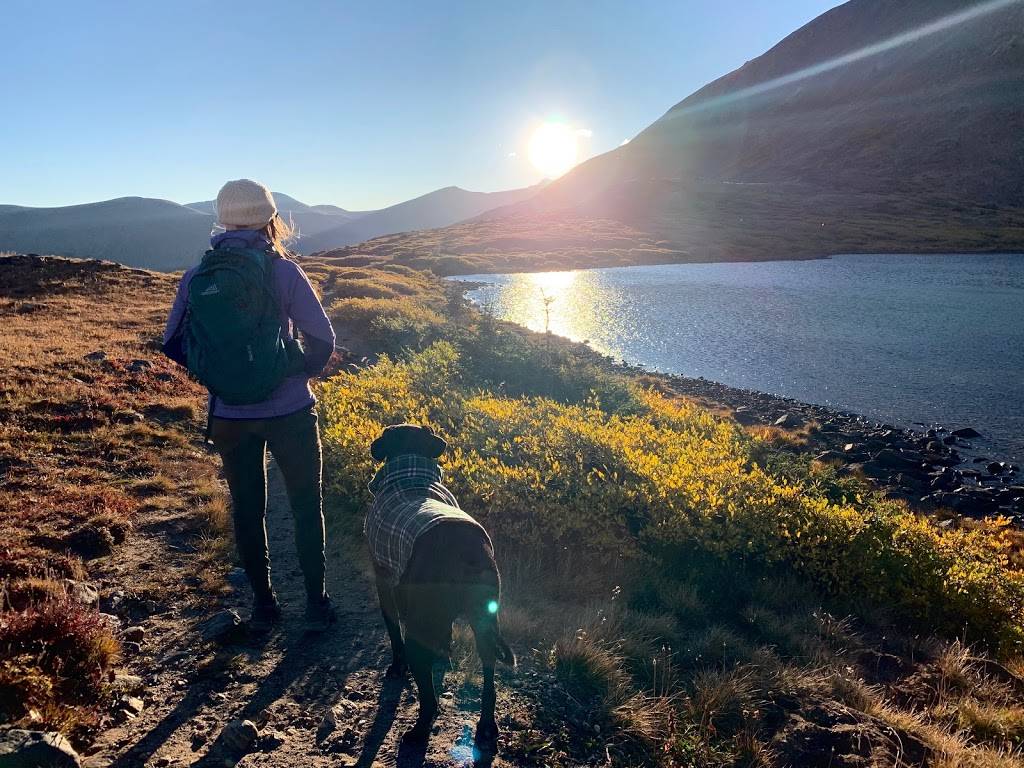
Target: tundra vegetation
{"type": "Point", "coordinates": [680, 590]}
{"type": "Point", "coordinates": [96, 429]}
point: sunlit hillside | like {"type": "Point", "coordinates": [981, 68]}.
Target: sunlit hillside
{"type": "Point", "coordinates": [877, 127]}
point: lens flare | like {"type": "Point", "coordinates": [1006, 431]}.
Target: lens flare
{"type": "Point", "coordinates": [492, 607]}
{"type": "Point", "coordinates": [904, 38]}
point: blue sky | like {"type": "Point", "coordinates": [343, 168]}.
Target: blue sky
{"type": "Point", "coordinates": [351, 103]}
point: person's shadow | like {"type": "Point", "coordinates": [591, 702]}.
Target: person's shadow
{"type": "Point", "coordinates": [296, 665]}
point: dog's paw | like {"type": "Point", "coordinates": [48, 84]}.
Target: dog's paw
{"type": "Point", "coordinates": [397, 671]}
{"type": "Point", "coordinates": [419, 733]}
{"type": "Point", "coordinates": [487, 734]}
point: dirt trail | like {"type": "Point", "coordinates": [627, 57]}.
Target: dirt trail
{"type": "Point", "coordinates": [288, 684]}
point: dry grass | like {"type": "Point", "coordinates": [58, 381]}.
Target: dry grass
{"type": "Point", "coordinates": [535, 243]}
{"type": "Point", "coordinates": [86, 446]}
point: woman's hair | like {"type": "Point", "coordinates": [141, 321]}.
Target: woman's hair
{"type": "Point", "coordinates": [281, 234]}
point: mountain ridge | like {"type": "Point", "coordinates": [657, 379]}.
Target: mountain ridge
{"type": "Point", "coordinates": [442, 207]}
{"type": "Point", "coordinates": [161, 234]}
{"type": "Point", "coordinates": [813, 148]}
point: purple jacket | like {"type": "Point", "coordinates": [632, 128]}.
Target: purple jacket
{"type": "Point", "coordinates": [301, 311]}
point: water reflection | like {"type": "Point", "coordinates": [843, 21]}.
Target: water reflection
{"type": "Point", "coordinates": [580, 305]}
{"type": "Point", "coordinates": [932, 339]}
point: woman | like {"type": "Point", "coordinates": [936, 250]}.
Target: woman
{"type": "Point", "coordinates": [285, 420]}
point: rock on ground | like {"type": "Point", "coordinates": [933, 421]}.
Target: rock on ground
{"type": "Point", "coordinates": [36, 749]}
{"type": "Point", "coordinates": [223, 627]}
{"type": "Point", "coordinates": [239, 736]}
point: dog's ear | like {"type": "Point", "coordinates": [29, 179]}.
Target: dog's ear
{"type": "Point", "coordinates": [430, 444]}
{"type": "Point", "coordinates": [383, 446]}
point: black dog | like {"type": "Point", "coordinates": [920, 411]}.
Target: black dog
{"type": "Point", "coordinates": [433, 563]}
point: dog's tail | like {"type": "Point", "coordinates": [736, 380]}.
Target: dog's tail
{"type": "Point", "coordinates": [503, 652]}
{"type": "Point", "coordinates": [489, 628]}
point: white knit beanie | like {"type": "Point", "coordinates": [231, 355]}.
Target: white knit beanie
{"type": "Point", "coordinates": [245, 203]}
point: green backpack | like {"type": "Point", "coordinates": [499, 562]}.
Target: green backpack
{"type": "Point", "coordinates": [234, 342]}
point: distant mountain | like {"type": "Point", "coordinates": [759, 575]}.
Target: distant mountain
{"type": "Point", "coordinates": [160, 234]}
{"type": "Point", "coordinates": [435, 209]}
{"type": "Point", "coordinates": [308, 219]}
{"type": "Point", "coordinates": [881, 125]}
{"type": "Point", "coordinates": [137, 231]}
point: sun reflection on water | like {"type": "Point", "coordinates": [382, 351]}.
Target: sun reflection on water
{"type": "Point", "coordinates": [578, 305]}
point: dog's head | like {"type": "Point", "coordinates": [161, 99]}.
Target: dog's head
{"type": "Point", "coordinates": [399, 439]}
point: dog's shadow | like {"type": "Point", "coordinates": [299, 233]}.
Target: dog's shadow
{"type": "Point", "coordinates": [412, 754]}
{"type": "Point", "coordinates": [463, 752]}
{"type": "Point", "coordinates": [383, 720]}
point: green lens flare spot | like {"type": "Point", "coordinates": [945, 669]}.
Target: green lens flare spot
{"type": "Point", "coordinates": [492, 607]}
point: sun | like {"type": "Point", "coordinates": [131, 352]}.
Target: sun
{"type": "Point", "coordinates": [553, 149]}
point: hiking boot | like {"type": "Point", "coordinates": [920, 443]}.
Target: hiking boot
{"type": "Point", "coordinates": [266, 612]}
{"type": "Point", "coordinates": [320, 614]}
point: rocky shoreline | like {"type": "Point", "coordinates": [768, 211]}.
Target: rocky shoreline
{"type": "Point", "coordinates": [938, 470]}
{"type": "Point", "coordinates": [934, 469]}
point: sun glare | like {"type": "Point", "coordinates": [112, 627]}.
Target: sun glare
{"type": "Point", "coordinates": [553, 149]}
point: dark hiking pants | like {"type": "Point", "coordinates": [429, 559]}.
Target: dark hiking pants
{"type": "Point", "coordinates": [294, 440]}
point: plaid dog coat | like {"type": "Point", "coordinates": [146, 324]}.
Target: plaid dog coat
{"type": "Point", "coordinates": [409, 500]}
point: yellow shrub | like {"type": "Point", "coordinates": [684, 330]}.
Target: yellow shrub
{"type": "Point", "coordinates": [544, 476]}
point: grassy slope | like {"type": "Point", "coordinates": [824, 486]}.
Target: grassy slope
{"type": "Point", "coordinates": [710, 223]}
{"type": "Point", "coordinates": [523, 243]}
{"type": "Point", "coordinates": [87, 448]}
{"type": "Point", "coordinates": [671, 654]}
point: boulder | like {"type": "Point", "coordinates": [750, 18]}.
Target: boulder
{"type": "Point", "coordinates": [272, 740]}
{"type": "Point", "coordinates": [745, 416]}
{"type": "Point", "coordinates": [891, 459]}
{"type": "Point", "coordinates": [996, 468]}
{"type": "Point", "coordinates": [134, 634]}
{"type": "Point", "coordinates": [789, 421]}
{"type": "Point", "coordinates": [239, 736]}
{"type": "Point", "coordinates": [223, 627]}
{"type": "Point", "coordinates": [127, 683]}
{"type": "Point", "coordinates": [967, 433]}
{"type": "Point", "coordinates": [36, 749]}
{"type": "Point", "coordinates": [96, 356]}
{"type": "Point", "coordinates": [82, 592]}
{"type": "Point", "coordinates": [128, 708]}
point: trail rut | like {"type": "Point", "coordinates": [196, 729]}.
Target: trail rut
{"type": "Point", "coordinates": [318, 700]}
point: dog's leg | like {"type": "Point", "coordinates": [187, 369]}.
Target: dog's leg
{"type": "Point", "coordinates": [485, 633]}
{"type": "Point", "coordinates": [421, 662]}
{"type": "Point", "coordinates": [389, 607]}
